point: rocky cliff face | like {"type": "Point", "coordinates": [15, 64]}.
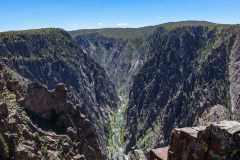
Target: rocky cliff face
{"type": "Point", "coordinates": [50, 56]}
{"type": "Point", "coordinates": [32, 118]}
{"type": "Point", "coordinates": [51, 111]}
{"type": "Point", "coordinates": [216, 141]}
{"type": "Point", "coordinates": [192, 69]}
{"type": "Point", "coordinates": [120, 52]}
{"type": "Point", "coordinates": [182, 74]}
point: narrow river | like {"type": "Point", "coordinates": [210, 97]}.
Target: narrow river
{"type": "Point", "coordinates": [117, 130]}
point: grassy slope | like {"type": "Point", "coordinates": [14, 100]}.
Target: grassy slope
{"type": "Point", "coordinates": [126, 33]}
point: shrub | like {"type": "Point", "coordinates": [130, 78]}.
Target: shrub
{"type": "Point", "coordinates": [44, 151]}
{"type": "Point", "coordinates": [3, 149]}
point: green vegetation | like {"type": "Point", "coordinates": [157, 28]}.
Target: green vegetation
{"type": "Point", "coordinates": [111, 130]}
{"type": "Point", "coordinates": [36, 138]}
{"type": "Point", "coordinates": [121, 33]}
{"type": "Point", "coordinates": [129, 33]}
{"type": "Point", "coordinates": [14, 34]}
{"type": "Point", "coordinates": [205, 148]}
{"type": "Point", "coordinates": [10, 99]}
{"type": "Point", "coordinates": [60, 141]}
{"type": "Point", "coordinates": [121, 132]}
{"type": "Point", "coordinates": [3, 149]}
{"type": "Point", "coordinates": [233, 153]}
{"type": "Point", "coordinates": [147, 137]}
{"type": "Point", "coordinates": [122, 103]}
{"type": "Point", "coordinates": [44, 150]}
{"type": "Point", "coordinates": [204, 52]}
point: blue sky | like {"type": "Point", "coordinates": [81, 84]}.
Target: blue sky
{"type": "Point", "coordinates": [79, 14]}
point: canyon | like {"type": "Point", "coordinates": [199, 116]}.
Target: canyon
{"type": "Point", "coordinates": [169, 91]}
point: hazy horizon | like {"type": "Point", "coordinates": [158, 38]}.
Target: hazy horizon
{"type": "Point", "coordinates": [95, 14]}
{"type": "Point", "coordinates": [117, 27]}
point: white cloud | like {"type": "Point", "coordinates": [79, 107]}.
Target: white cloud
{"type": "Point", "coordinates": [122, 25]}
{"type": "Point", "coordinates": [100, 23]}
{"type": "Point", "coordinates": [160, 17]}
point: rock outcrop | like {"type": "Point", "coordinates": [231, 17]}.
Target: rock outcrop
{"type": "Point", "coordinates": [51, 110]}
{"type": "Point", "coordinates": [46, 104]}
{"type": "Point", "coordinates": [137, 155]}
{"type": "Point", "coordinates": [158, 153]}
{"type": "Point", "coordinates": [42, 124]}
{"type": "Point", "coordinates": [216, 141]}
{"type": "Point", "coordinates": [213, 114]}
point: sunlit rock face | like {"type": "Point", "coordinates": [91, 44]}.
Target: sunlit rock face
{"type": "Point", "coordinates": [189, 79]}
{"type": "Point", "coordinates": [216, 141]}
{"type": "Point", "coordinates": [50, 57]}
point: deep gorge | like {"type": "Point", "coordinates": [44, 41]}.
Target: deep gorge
{"type": "Point", "coordinates": [115, 91]}
{"type": "Point", "coordinates": [175, 74]}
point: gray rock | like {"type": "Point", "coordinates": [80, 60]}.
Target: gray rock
{"type": "Point", "coordinates": [4, 109]}
{"type": "Point", "coordinates": [216, 140]}
{"type": "Point", "coordinates": [216, 113]}
{"type": "Point", "coordinates": [137, 155]}
{"type": "Point", "coordinates": [79, 157]}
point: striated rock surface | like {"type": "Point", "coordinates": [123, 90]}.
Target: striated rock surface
{"type": "Point", "coordinates": [234, 73]}
{"type": "Point", "coordinates": [216, 141]}
{"type": "Point", "coordinates": [120, 51]}
{"type": "Point", "coordinates": [216, 113]}
{"type": "Point", "coordinates": [51, 56]}
{"type": "Point", "coordinates": [189, 79]}
{"type": "Point", "coordinates": [56, 102]}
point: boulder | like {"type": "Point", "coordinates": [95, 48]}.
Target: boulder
{"type": "Point", "coordinates": [137, 155]}
{"type": "Point", "coordinates": [60, 91]}
{"type": "Point", "coordinates": [46, 103]}
{"type": "Point", "coordinates": [88, 152]}
{"type": "Point", "coordinates": [79, 157]}
{"type": "Point", "coordinates": [183, 142]}
{"type": "Point", "coordinates": [13, 85]}
{"type": "Point", "coordinates": [221, 142]}
{"type": "Point", "coordinates": [216, 141]}
{"type": "Point", "coordinates": [72, 134]}
{"type": "Point", "coordinates": [216, 113]}
{"type": "Point", "coordinates": [2, 84]}
{"type": "Point", "coordinates": [3, 109]}
{"type": "Point", "coordinates": [23, 154]}
{"type": "Point", "coordinates": [158, 153]}
{"type": "Point", "coordinates": [1, 66]}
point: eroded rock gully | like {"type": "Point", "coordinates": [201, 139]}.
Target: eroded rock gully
{"type": "Point", "coordinates": [191, 72]}
{"type": "Point", "coordinates": [57, 102]}
{"type": "Point", "coordinates": [174, 75]}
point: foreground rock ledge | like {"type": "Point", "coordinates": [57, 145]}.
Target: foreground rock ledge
{"type": "Point", "coordinates": [218, 141]}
